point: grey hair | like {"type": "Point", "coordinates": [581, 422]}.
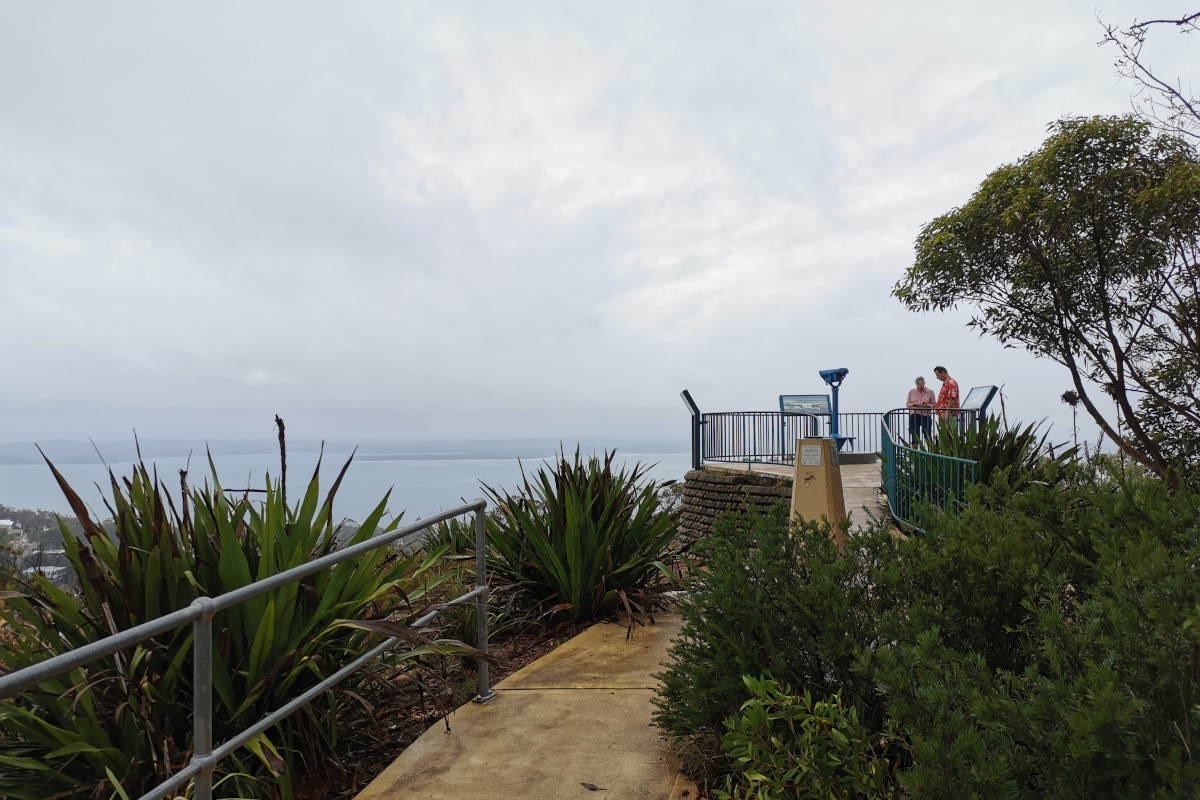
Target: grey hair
{"type": "Point", "coordinates": [920, 379]}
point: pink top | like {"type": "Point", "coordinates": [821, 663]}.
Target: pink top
{"type": "Point", "coordinates": [921, 397]}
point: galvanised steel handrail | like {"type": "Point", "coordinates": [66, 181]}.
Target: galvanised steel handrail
{"type": "Point", "coordinates": [912, 476]}
{"type": "Point", "coordinates": [200, 613]}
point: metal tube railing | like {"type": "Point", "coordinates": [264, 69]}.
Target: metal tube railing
{"type": "Point", "coordinates": [912, 475]}
{"type": "Point", "coordinates": [200, 613]}
{"type": "Point", "coordinates": [751, 437]}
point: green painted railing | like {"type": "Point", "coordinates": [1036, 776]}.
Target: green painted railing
{"type": "Point", "coordinates": [912, 477]}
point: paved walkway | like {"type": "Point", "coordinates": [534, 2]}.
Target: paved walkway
{"type": "Point", "coordinates": [578, 716]}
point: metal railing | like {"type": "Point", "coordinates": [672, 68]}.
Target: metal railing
{"type": "Point", "coordinates": [751, 437]}
{"type": "Point", "coordinates": [863, 426]}
{"type": "Point", "coordinates": [757, 436]}
{"type": "Point", "coordinates": [769, 437]}
{"type": "Point", "coordinates": [911, 426]}
{"type": "Point", "coordinates": [912, 476]}
{"type": "Point", "coordinates": [200, 614]}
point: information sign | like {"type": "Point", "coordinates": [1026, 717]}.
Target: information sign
{"type": "Point", "coordinates": [978, 398]}
{"type": "Point", "coordinates": [804, 403]}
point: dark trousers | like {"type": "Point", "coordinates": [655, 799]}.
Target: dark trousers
{"type": "Point", "coordinates": [919, 425]}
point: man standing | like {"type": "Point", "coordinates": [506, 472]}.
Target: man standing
{"type": "Point", "coordinates": [920, 419]}
{"type": "Point", "coordinates": [948, 396]}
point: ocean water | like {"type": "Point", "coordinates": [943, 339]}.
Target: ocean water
{"type": "Point", "coordinates": [418, 485]}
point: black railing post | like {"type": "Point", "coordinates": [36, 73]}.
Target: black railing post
{"type": "Point", "coordinates": [697, 456]}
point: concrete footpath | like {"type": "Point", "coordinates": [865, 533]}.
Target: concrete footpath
{"type": "Point", "coordinates": [572, 724]}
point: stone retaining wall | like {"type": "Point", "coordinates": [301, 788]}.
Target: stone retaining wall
{"type": "Point", "coordinates": [710, 492]}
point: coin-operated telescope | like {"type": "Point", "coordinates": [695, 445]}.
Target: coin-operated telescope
{"type": "Point", "coordinates": [834, 378]}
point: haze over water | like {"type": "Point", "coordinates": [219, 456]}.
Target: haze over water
{"type": "Point", "coordinates": [420, 484]}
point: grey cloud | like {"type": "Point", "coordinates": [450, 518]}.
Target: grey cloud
{"type": "Point", "coordinates": [367, 218]}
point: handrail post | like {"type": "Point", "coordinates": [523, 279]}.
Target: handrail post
{"type": "Point", "coordinates": [697, 456]}
{"type": "Point", "coordinates": [202, 698]}
{"type": "Point", "coordinates": [483, 690]}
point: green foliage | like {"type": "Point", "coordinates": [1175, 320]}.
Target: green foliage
{"type": "Point", "coordinates": [1090, 689]}
{"type": "Point", "coordinates": [509, 604]}
{"type": "Point", "coordinates": [969, 574]}
{"type": "Point", "coordinates": [793, 747]}
{"type": "Point", "coordinates": [582, 537]}
{"type": "Point", "coordinates": [129, 715]}
{"type": "Point", "coordinates": [773, 599]}
{"type": "Point", "coordinates": [1087, 252]}
{"type": "Point", "coordinates": [1045, 643]}
{"type": "Point", "coordinates": [993, 446]}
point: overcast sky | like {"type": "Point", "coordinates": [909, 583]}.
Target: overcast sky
{"type": "Point", "coordinates": [497, 219]}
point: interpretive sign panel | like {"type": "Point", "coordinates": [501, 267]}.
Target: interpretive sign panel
{"type": "Point", "coordinates": [804, 403]}
{"type": "Point", "coordinates": [978, 398]}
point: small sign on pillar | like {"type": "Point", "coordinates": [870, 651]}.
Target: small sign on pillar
{"type": "Point", "coordinates": [817, 485]}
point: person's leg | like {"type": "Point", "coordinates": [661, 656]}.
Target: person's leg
{"type": "Point", "coordinates": [914, 426]}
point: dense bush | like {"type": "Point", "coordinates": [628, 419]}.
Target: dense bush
{"type": "Point", "coordinates": [1043, 644]}
{"type": "Point", "coordinates": [582, 537]}
{"type": "Point", "coordinates": [1093, 691]}
{"type": "Point", "coordinates": [126, 719]}
{"type": "Point", "coordinates": [778, 600]}
{"type": "Point", "coordinates": [793, 746]}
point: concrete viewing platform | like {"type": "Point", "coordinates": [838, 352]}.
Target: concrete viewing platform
{"type": "Point", "coordinates": [860, 486]}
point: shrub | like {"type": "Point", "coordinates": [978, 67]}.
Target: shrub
{"type": "Point", "coordinates": [778, 599]}
{"type": "Point", "coordinates": [1087, 686]}
{"type": "Point", "coordinates": [128, 716]}
{"type": "Point", "coordinates": [1043, 644]}
{"type": "Point", "coordinates": [969, 574]}
{"type": "Point", "coordinates": [583, 537]}
{"type": "Point", "coordinates": [794, 747]}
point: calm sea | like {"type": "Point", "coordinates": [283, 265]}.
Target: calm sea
{"type": "Point", "coordinates": [419, 485]}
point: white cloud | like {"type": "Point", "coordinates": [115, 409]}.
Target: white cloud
{"type": "Point", "coordinates": [42, 238]}
{"type": "Point", "coordinates": [372, 217]}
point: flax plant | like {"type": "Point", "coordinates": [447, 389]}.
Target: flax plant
{"type": "Point", "coordinates": [993, 445]}
{"type": "Point", "coordinates": [584, 538]}
{"type": "Point", "coordinates": [127, 718]}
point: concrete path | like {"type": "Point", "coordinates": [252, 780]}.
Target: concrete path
{"type": "Point", "coordinates": [860, 492]}
{"type": "Point", "coordinates": [579, 715]}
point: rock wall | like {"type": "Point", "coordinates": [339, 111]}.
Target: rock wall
{"type": "Point", "coordinates": [710, 492]}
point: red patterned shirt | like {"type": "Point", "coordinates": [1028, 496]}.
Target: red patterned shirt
{"type": "Point", "coordinates": [948, 396]}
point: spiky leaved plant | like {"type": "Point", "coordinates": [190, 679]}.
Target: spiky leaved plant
{"type": "Point", "coordinates": [994, 445]}
{"type": "Point", "coordinates": [127, 718]}
{"type": "Point", "coordinates": [583, 536]}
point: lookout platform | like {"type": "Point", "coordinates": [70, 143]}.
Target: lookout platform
{"type": "Point", "coordinates": [860, 486]}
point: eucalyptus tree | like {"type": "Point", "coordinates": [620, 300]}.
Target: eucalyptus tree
{"type": "Point", "coordinates": [1170, 103]}
{"type": "Point", "coordinates": [1087, 252]}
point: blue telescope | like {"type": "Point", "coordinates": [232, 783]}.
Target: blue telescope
{"type": "Point", "coordinates": [834, 378]}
